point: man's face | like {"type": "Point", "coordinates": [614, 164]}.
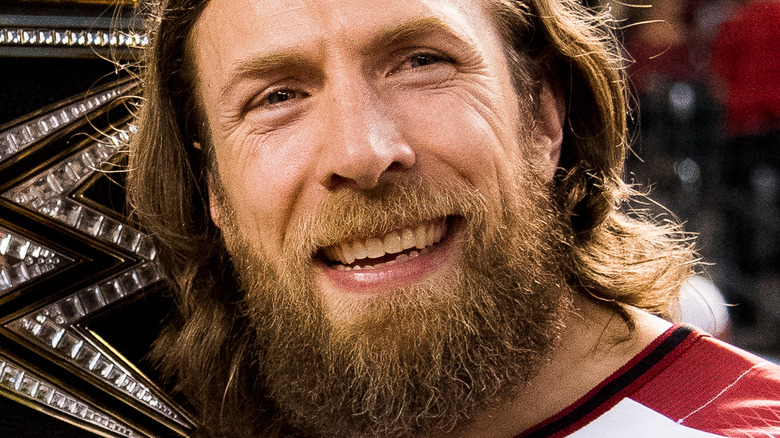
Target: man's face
{"type": "Point", "coordinates": [383, 196]}
{"type": "Point", "coordinates": [307, 99]}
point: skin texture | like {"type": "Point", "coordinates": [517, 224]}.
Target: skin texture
{"type": "Point", "coordinates": [309, 100]}
{"type": "Point", "coordinates": [305, 99]}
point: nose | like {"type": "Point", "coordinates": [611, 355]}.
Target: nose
{"type": "Point", "coordinates": [362, 140]}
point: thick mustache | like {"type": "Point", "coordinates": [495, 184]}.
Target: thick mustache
{"type": "Point", "coordinates": [351, 215]}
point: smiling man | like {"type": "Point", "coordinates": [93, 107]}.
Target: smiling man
{"type": "Point", "coordinates": [401, 218]}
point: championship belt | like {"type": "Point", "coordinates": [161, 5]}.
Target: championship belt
{"type": "Point", "coordinates": [81, 294]}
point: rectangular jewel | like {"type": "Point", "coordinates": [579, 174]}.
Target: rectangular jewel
{"type": "Point", "coordinates": [5, 280]}
{"type": "Point", "coordinates": [7, 145]}
{"type": "Point", "coordinates": [102, 367]}
{"type": "Point", "coordinates": [87, 357]}
{"type": "Point", "coordinates": [44, 393]}
{"type": "Point", "coordinates": [128, 238]}
{"type": "Point", "coordinates": [90, 159]}
{"type": "Point", "coordinates": [36, 269]}
{"type": "Point", "coordinates": [29, 37]}
{"type": "Point", "coordinates": [58, 399]}
{"type": "Point", "coordinates": [105, 150]}
{"type": "Point", "coordinates": [69, 344]}
{"type": "Point", "coordinates": [77, 168]}
{"type": "Point", "coordinates": [109, 230]}
{"type": "Point", "coordinates": [5, 242]}
{"type": "Point", "coordinates": [91, 299]}
{"type": "Point", "coordinates": [89, 222]}
{"type": "Point", "coordinates": [111, 291]}
{"type": "Point", "coordinates": [68, 212]}
{"type": "Point", "coordinates": [129, 384]}
{"type": "Point", "coordinates": [32, 131]}
{"type": "Point", "coordinates": [147, 274]}
{"type": "Point", "coordinates": [29, 386]}
{"type": "Point", "coordinates": [18, 274]}
{"type": "Point", "coordinates": [50, 333]}
{"type": "Point", "coordinates": [64, 116]}
{"type": "Point", "coordinates": [118, 377]}
{"type": "Point", "coordinates": [71, 309]}
{"type": "Point", "coordinates": [43, 127]}
{"type": "Point", "coordinates": [69, 404]}
{"type": "Point", "coordinates": [127, 283]}
{"type": "Point", "coordinates": [10, 376]}
{"type": "Point", "coordinates": [55, 183]}
{"type": "Point", "coordinates": [80, 410]}
{"type": "Point", "coordinates": [45, 37]}
{"type": "Point", "coordinates": [64, 177]}
{"type": "Point", "coordinates": [13, 36]}
{"type": "Point", "coordinates": [16, 248]}
{"type": "Point", "coordinates": [146, 248]}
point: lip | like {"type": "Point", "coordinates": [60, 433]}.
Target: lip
{"type": "Point", "coordinates": [385, 279]}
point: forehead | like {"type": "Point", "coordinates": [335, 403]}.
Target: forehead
{"type": "Point", "coordinates": [228, 29]}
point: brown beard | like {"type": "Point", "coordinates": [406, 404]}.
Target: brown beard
{"type": "Point", "coordinates": [423, 360]}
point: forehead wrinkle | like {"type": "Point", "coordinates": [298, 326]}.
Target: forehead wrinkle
{"type": "Point", "coordinates": [389, 36]}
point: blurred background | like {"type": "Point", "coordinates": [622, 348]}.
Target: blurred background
{"type": "Point", "coordinates": [706, 128]}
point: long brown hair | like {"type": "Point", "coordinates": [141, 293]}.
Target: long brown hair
{"type": "Point", "coordinates": [616, 258]}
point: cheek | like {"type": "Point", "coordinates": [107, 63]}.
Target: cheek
{"type": "Point", "coordinates": [463, 135]}
{"type": "Point", "coordinates": [263, 177]}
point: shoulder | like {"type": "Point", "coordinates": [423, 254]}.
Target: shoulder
{"type": "Point", "coordinates": [713, 386]}
{"type": "Point", "coordinates": [684, 383]}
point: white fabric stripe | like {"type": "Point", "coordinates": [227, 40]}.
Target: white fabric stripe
{"type": "Point", "coordinates": [632, 419]}
{"type": "Point", "coordinates": [719, 394]}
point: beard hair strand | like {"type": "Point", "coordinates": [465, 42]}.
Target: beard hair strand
{"type": "Point", "coordinates": [424, 360]}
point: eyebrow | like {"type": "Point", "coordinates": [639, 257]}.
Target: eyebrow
{"type": "Point", "coordinates": [410, 30]}
{"type": "Point", "coordinates": [260, 65]}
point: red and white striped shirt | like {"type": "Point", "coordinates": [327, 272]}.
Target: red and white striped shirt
{"type": "Point", "coordinates": [685, 384]}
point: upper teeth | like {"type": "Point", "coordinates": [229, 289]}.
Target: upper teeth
{"type": "Point", "coordinates": [391, 243]}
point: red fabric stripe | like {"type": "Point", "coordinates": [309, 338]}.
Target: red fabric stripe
{"type": "Point", "coordinates": [626, 391]}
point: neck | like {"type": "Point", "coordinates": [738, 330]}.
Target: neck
{"type": "Point", "coordinates": [595, 343]}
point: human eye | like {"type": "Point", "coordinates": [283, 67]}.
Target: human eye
{"type": "Point", "coordinates": [277, 105]}
{"type": "Point", "coordinates": [425, 59]}
{"type": "Point", "coordinates": [422, 60]}
{"type": "Point", "coordinates": [280, 96]}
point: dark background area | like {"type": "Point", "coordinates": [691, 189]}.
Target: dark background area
{"type": "Point", "coordinates": [705, 76]}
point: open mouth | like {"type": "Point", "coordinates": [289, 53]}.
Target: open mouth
{"type": "Point", "coordinates": [394, 247]}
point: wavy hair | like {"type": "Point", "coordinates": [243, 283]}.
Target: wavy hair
{"type": "Point", "coordinates": [620, 259]}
